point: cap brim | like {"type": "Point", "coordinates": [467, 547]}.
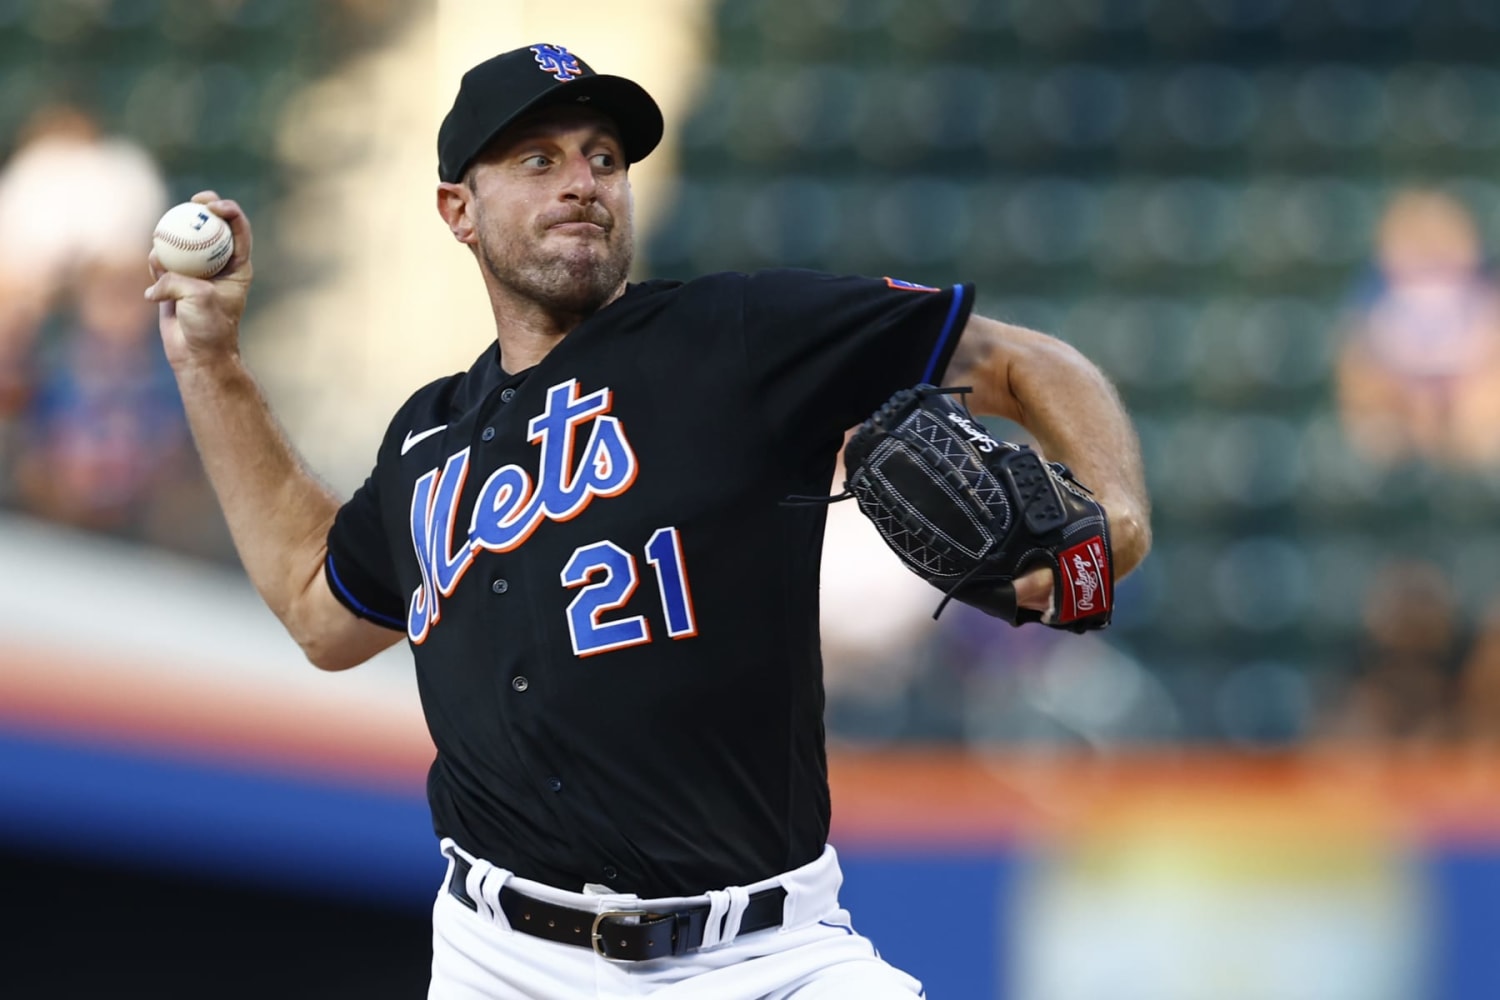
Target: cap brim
{"type": "Point", "coordinates": [626, 102]}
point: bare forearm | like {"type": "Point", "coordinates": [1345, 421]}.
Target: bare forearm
{"type": "Point", "coordinates": [277, 512]}
{"type": "Point", "coordinates": [1079, 420]}
{"type": "Point", "coordinates": [1074, 413]}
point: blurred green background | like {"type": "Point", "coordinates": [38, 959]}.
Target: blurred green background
{"type": "Point", "coordinates": [1271, 222]}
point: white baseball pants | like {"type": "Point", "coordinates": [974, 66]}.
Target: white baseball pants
{"type": "Point", "coordinates": [814, 955]}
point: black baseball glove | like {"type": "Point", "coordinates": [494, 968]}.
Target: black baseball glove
{"type": "Point", "coordinates": [969, 514]}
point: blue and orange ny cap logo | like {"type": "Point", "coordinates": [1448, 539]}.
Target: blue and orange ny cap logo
{"type": "Point", "coordinates": [554, 59]}
{"type": "Point", "coordinates": [910, 286]}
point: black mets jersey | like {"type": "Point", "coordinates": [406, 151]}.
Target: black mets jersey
{"type": "Point", "coordinates": [613, 613]}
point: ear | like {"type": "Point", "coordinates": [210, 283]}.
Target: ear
{"type": "Point", "coordinates": [454, 205]}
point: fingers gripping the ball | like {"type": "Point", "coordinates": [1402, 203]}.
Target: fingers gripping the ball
{"type": "Point", "coordinates": [239, 227]}
{"type": "Point", "coordinates": [191, 240]}
{"type": "Point", "coordinates": [200, 263]}
{"type": "Point", "coordinates": [207, 237]}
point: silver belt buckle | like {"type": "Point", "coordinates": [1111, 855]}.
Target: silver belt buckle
{"type": "Point", "coordinates": [597, 939]}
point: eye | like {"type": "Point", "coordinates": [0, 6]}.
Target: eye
{"type": "Point", "coordinates": [603, 161]}
{"type": "Point", "coordinates": [536, 160]}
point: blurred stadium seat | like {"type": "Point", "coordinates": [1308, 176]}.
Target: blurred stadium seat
{"type": "Point", "coordinates": [200, 84]}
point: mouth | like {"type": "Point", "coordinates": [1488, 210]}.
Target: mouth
{"type": "Point", "coordinates": [577, 228]}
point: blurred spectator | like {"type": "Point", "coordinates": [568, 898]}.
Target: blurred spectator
{"type": "Point", "coordinates": [1404, 679]}
{"type": "Point", "coordinates": [1419, 375]}
{"type": "Point", "coordinates": [103, 440]}
{"type": "Point", "coordinates": [68, 195]}
{"type": "Point", "coordinates": [20, 320]}
{"type": "Point", "coordinates": [92, 432]}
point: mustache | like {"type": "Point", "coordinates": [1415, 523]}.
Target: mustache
{"type": "Point", "coordinates": [598, 216]}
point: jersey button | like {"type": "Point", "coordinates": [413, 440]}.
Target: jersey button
{"type": "Point", "coordinates": [610, 872]}
{"type": "Point", "coordinates": [500, 586]}
{"type": "Point", "coordinates": [506, 395]}
{"type": "Point", "coordinates": [555, 784]}
{"type": "Point", "coordinates": [488, 434]}
{"type": "Point", "coordinates": [519, 684]}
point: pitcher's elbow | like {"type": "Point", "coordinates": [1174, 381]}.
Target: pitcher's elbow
{"type": "Point", "coordinates": [1130, 539]}
{"type": "Point", "coordinates": [328, 656]}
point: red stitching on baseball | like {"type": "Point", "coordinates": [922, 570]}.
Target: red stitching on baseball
{"type": "Point", "coordinates": [178, 242]}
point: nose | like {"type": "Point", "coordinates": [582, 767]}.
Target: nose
{"type": "Point", "coordinates": [579, 182]}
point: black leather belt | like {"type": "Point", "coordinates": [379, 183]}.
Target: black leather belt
{"type": "Point", "coordinates": [611, 934]}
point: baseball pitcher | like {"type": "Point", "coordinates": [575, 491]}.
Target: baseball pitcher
{"type": "Point", "coordinates": [585, 539]}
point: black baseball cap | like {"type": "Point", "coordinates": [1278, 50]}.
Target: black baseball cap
{"type": "Point", "coordinates": [500, 90]}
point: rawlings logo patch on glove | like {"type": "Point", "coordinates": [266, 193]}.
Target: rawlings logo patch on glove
{"type": "Point", "coordinates": [969, 514]}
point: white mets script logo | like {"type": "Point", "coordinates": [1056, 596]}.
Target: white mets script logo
{"type": "Point", "coordinates": [509, 507]}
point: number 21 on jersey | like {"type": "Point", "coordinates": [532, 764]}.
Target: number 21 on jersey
{"type": "Point", "coordinates": [607, 576]}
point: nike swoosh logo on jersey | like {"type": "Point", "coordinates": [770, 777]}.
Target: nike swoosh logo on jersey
{"type": "Point", "coordinates": [412, 439]}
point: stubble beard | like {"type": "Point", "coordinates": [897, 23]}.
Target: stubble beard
{"type": "Point", "coordinates": [575, 279]}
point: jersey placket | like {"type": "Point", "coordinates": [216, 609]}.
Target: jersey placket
{"type": "Point", "coordinates": [511, 602]}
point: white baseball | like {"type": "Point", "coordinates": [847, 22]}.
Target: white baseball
{"type": "Point", "coordinates": [193, 241]}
